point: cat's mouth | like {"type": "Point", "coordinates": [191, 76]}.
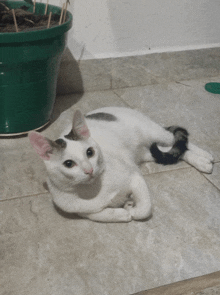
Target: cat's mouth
{"type": "Point", "coordinates": [92, 177]}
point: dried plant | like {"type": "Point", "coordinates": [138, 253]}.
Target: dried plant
{"type": "Point", "coordinates": [21, 18]}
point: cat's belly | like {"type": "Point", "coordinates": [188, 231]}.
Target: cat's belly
{"type": "Point", "coordinates": [119, 200]}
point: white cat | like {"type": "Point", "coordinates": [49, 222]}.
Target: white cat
{"type": "Point", "coordinates": [93, 167]}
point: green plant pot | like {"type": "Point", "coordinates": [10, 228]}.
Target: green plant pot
{"type": "Point", "coordinates": [29, 66]}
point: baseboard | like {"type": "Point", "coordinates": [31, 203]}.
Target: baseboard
{"type": "Point", "coordinates": [139, 70]}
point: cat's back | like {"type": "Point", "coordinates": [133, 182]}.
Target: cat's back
{"type": "Point", "coordinates": [111, 126]}
{"type": "Point", "coordinates": [115, 115]}
{"type": "Point", "coordinates": [119, 125]}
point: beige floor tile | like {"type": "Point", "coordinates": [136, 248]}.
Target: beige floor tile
{"type": "Point", "coordinates": [23, 173]}
{"type": "Point", "coordinates": [215, 176]}
{"type": "Point", "coordinates": [174, 66]}
{"type": "Point", "coordinates": [130, 72]}
{"type": "Point", "coordinates": [152, 167]}
{"type": "Point", "coordinates": [96, 74]}
{"type": "Point", "coordinates": [44, 252]}
{"type": "Point", "coordinates": [175, 104]}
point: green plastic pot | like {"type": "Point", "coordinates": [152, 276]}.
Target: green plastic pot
{"type": "Point", "coordinates": [29, 66]}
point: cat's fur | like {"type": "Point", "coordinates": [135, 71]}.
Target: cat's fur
{"type": "Point", "coordinates": [106, 184]}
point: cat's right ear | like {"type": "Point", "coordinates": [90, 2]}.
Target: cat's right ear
{"type": "Point", "coordinates": [41, 145]}
{"type": "Point", "coordinates": [79, 126]}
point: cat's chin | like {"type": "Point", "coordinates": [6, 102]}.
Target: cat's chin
{"type": "Point", "coordinates": [92, 178]}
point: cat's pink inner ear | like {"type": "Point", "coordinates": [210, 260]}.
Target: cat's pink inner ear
{"type": "Point", "coordinates": [79, 125]}
{"type": "Point", "coordinates": [40, 144]}
{"type": "Point", "coordinates": [84, 131]}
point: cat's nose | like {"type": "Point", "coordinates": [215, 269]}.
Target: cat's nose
{"type": "Point", "coordinates": [88, 171]}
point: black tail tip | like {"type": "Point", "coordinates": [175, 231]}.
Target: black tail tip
{"type": "Point", "coordinates": [178, 149]}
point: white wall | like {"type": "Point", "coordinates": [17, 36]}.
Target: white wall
{"type": "Point", "coordinates": [112, 28]}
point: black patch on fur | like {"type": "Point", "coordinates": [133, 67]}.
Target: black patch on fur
{"type": "Point", "coordinates": [57, 144]}
{"type": "Point", "coordinates": [102, 117]}
{"type": "Point", "coordinates": [178, 149]}
{"type": "Point", "coordinates": [61, 143]}
{"type": "Point", "coordinates": [72, 135]}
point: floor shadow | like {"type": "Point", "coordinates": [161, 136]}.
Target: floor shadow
{"type": "Point", "coordinates": [69, 85]}
{"type": "Point", "coordinates": [62, 103]}
{"type": "Point", "coordinates": [65, 214]}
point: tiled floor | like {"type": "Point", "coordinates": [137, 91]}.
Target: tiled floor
{"type": "Point", "coordinates": [44, 252]}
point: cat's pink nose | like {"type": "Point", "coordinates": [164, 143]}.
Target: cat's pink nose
{"type": "Point", "coordinates": [89, 171]}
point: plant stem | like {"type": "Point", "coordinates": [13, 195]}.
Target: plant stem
{"type": "Point", "coordinates": [6, 7]}
{"type": "Point", "coordinates": [49, 19]}
{"type": "Point", "coordinates": [30, 21]}
{"type": "Point", "coordinates": [34, 6]}
{"type": "Point", "coordinates": [61, 15]}
{"type": "Point", "coordinates": [15, 21]}
{"type": "Point", "coordinates": [46, 7]}
{"type": "Point", "coordinates": [64, 18]}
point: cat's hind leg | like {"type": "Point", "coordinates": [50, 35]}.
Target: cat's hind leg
{"type": "Point", "coordinates": [163, 137]}
{"type": "Point", "coordinates": [200, 159]}
{"type": "Point", "coordinates": [141, 197]}
{"type": "Point", "coordinates": [164, 140]}
{"type": "Point", "coordinates": [200, 152]}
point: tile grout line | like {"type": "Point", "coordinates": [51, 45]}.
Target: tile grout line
{"type": "Point", "coordinates": [211, 182]}
{"type": "Point", "coordinates": [121, 99]}
{"type": "Point", "coordinates": [22, 197]}
{"type": "Point", "coordinates": [144, 85]}
{"type": "Point", "coordinates": [171, 170]}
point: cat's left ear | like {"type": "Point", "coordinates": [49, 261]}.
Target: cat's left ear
{"type": "Point", "coordinates": [79, 125]}
{"type": "Point", "coordinates": [41, 144]}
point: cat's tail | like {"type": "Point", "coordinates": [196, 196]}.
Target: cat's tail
{"type": "Point", "coordinates": [178, 149]}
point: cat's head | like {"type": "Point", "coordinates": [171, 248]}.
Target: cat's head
{"type": "Point", "coordinates": [73, 159]}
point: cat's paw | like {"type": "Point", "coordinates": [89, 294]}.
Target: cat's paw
{"type": "Point", "coordinates": [128, 217]}
{"type": "Point", "coordinates": [140, 213]}
{"type": "Point", "coordinates": [203, 164]}
{"type": "Point", "coordinates": [128, 205]}
{"type": "Point", "coordinates": [200, 152]}
{"type": "Point", "coordinates": [206, 155]}
{"type": "Point", "coordinates": [123, 215]}
{"type": "Point", "coordinates": [200, 159]}
{"type": "Point", "coordinates": [209, 157]}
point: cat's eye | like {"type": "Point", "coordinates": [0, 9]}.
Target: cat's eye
{"type": "Point", "coordinates": [69, 163]}
{"type": "Point", "coordinates": [90, 152]}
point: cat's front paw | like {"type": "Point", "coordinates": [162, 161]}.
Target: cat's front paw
{"type": "Point", "coordinates": [140, 213]}
{"type": "Point", "coordinates": [128, 205]}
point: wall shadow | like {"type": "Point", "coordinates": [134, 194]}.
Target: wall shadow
{"type": "Point", "coordinates": [69, 85]}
